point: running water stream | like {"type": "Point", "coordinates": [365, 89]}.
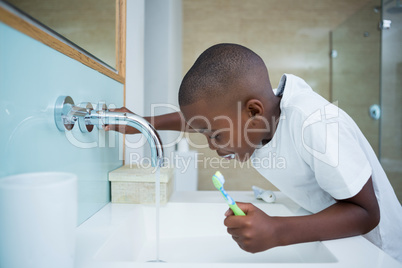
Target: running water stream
{"type": "Point", "coordinates": [157, 207]}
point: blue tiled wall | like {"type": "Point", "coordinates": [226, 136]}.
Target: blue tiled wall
{"type": "Point", "coordinates": [32, 76]}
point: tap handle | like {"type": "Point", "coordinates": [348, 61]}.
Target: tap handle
{"type": "Point", "coordinates": [83, 121]}
{"type": "Point", "coordinates": [101, 109]}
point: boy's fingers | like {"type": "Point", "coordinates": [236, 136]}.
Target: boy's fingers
{"type": "Point", "coordinates": [234, 232]}
{"type": "Point", "coordinates": [234, 221]}
{"type": "Point", "coordinates": [124, 129]}
{"type": "Point", "coordinates": [111, 127]}
{"type": "Point", "coordinates": [238, 221]}
{"type": "Point", "coordinates": [243, 206]}
{"type": "Point", "coordinates": [117, 128]}
{"type": "Point", "coordinates": [120, 110]}
{"type": "Point", "coordinates": [246, 207]}
{"type": "Point", "coordinates": [229, 212]}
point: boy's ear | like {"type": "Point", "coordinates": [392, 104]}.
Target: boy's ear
{"type": "Point", "coordinates": [254, 108]}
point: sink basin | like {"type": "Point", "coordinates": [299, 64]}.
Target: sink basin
{"type": "Point", "coordinates": [194, 233]}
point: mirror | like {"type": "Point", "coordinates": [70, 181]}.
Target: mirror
{"type": "Point", "coordinates": [89, 24]}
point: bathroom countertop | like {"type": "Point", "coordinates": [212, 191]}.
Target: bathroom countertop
{"type": "Point", "coordinates": [96, 232]}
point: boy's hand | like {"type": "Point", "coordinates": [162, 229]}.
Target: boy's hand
{"type": "Point", "coordinates": [124, 129]}
{"type": "Point", "coordinates": [173, 121]}
{"type": "Point", "coordinates": [254, 232]}
{"type": "Point", "coordinates": [348, 217]}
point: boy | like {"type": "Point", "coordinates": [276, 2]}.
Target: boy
{"type": "Point", "coordinates": [330, 169]}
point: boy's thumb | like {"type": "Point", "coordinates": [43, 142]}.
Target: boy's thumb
{"type": "Point", "coordinates": [111, 127]}
{"type": "Point", "coordinates": [243, 206]}
{"type": "Point", "coordinates": [246, 207]}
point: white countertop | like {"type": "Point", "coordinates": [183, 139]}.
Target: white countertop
{"type": "Point", "coordinates": [104, 226]}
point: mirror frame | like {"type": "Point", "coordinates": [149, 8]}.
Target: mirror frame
{"type": "Point", "coordinates": [19, 21]}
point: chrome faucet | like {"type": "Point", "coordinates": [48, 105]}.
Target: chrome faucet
{"type": "Point", "coordinates": [66, 114]}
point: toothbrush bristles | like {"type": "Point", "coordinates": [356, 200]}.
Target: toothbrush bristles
{"type": "Point", "coordinates": [220, 178]}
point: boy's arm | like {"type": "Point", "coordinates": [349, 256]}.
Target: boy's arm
{"type": "Point", "coordinates": [257, 231]}
{"type": "Point", "coordinates": [173, 121]}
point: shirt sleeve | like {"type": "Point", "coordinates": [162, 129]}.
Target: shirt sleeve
{"type": "Point", "coordinates": [329, 144]}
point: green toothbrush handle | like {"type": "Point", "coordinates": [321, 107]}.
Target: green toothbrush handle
{"type": "Point", "coordinates": [236, 210]}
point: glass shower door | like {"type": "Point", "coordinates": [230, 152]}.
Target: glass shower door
{"type": "Point", "coordinates": [366, 79]}
{"type": "Point", "coordinates": [355, 69]}
{"type": "Point", "coordinates": [391, 94]}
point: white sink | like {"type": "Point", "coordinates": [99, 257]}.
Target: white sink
{"type": "Point", "coordinates": [193, 235]}
{"type": "Point", "coordinates": [194, 232]}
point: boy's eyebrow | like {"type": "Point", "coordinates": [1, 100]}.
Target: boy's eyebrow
{"type": "Point", "coordinates": [202, 130]}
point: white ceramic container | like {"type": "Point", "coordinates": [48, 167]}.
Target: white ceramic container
{"type": "Point", "coordinates": [38, 219]}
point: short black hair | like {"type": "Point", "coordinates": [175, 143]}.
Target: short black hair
{"type": "Point", "coordinates": [215, 70]}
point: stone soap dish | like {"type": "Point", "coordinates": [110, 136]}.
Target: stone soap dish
{"type": "Point", "coordinates": [136, 185]}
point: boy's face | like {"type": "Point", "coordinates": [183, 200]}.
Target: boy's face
{"type": "Point", "coordinates": [229, 129]}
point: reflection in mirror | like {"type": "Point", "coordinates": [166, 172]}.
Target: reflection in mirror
{"type": "Point", "coordinates": [90, 24]}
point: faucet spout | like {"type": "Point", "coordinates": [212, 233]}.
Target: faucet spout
{"type": "Point", "coordinates": [66, 114]}
{"type": "Point", "coordinates": [114, 118]}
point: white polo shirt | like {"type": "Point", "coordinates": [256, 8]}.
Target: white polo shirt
{"type": "Point", "coordinates": [318, 154]}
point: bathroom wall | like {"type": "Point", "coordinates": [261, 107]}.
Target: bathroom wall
{"type": "Point", "coordinates": [154, 69]}
{"type": "Point", "coordinates": [32, 76]}
{"type": "Point", "coordinates": [291, 37]}
{"type": "Point", "coordinates": [162, 69]}
{"type": "Point", "coordinates": [135, 30]}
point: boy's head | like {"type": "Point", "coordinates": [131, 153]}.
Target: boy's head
{"type": "Point", "coordinates": [227, 96]}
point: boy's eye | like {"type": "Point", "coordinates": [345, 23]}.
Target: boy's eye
{"type": "Point", "coordinates": [216, 137]}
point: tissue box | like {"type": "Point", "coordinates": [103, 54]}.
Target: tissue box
{"type": "Point", "coordinates": [136, 185]}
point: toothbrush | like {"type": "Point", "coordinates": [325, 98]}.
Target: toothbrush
{"type": "Point", "coordinates": [218, 181]}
